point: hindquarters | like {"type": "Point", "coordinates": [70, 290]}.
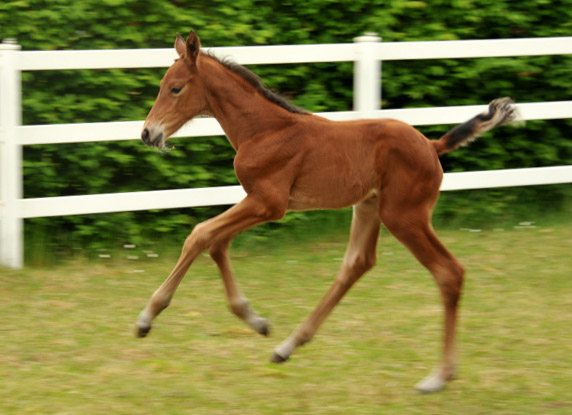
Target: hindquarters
{"type": "Point", "coordinates": [412, 173]}
{"type": "Point", "coordinates": [409, 192]}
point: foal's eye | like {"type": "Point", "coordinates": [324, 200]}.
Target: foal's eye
{"type": "Point", "coordinates": [175, 91]}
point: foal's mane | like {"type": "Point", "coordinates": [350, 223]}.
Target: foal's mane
{"type": "Point", "coordinates": [257, 83]}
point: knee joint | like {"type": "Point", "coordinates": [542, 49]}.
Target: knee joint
{"type": "Point", "coordinates": [361, 263]}
{"type": "Point", "coordinates": [270, 212]}
{"type": "Point", "coordinates": [197, 239]}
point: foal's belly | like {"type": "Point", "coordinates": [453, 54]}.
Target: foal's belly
{"type": "Point", "coordinates": [329, 196]}
{"type": "Point", "coordinates": [334, 182]}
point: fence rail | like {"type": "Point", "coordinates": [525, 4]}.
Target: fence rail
{"type": "Point", "coordinates": [264, 55]}
{"type": "Point", "coordinates": [204, 127]}
{"type": "Point", "coordinates": [366, 52]}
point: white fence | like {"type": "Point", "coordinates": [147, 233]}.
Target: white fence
{"type": "Point", "coordinates": [367, 53]}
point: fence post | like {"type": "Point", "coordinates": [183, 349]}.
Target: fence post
{"type": "Point", "coordinates": [367, 76]}
{"type": "Point", "coordinates": [11, 229]}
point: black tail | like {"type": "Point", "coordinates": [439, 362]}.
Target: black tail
{"type": "Point", "coordinates": [501, 111]}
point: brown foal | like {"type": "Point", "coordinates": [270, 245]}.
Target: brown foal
{"type": "Point", "coordinates": [288, 159]}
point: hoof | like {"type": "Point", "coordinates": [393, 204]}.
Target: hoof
{"type": "Point", "coordinates": [265, 331]}
{"type": "Point", "coordinates": [142, 331]}
{"type": "Point", "coordinates": [262, 327]}
{"type": "Point", "coordinates": [276, 358]}
{"type": "Point", "coordinates": [431, 384]}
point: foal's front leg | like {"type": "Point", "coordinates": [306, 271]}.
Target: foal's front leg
{"type": "Point", "coordinates": [236, 300]}
{"type": "Point", "coordinates": [359, 258]}
{"type": "Point", "coordinates": [215, 234]}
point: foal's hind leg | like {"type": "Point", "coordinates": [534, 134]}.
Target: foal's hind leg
{"type": "Point", "coordinates": [359, 257]}
{"type": "Point", "coordinates": [237, 301]}
{"type": "Point", "coordinates": [414, 230]}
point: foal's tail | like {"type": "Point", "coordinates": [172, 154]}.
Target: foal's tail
{"type": "Point", "coordinates": [501, 111]}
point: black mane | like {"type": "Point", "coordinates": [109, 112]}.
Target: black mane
{"type": "Point", "coordinates": [257, 83]}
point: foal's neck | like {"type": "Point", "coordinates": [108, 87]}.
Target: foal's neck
{"type": "Point", "coordinates": [241, 110]}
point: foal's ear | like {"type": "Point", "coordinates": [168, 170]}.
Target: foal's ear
{"type": "Point", "coordinates": [180, 45]}
{"type": "Point", "coordinates": [193, 47]}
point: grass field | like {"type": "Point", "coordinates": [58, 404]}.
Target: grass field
{"type": "Point", "coordinates": [67, 344]}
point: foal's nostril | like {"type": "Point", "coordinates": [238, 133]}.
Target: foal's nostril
{"type": "Point", "coordinates": [145, 136]}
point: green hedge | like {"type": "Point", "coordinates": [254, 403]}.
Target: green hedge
{"type": "Point", "coordinates": [113, 95]}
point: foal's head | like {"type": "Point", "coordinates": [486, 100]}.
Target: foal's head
{"type": "Point", "coordinates": [181, 96]}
